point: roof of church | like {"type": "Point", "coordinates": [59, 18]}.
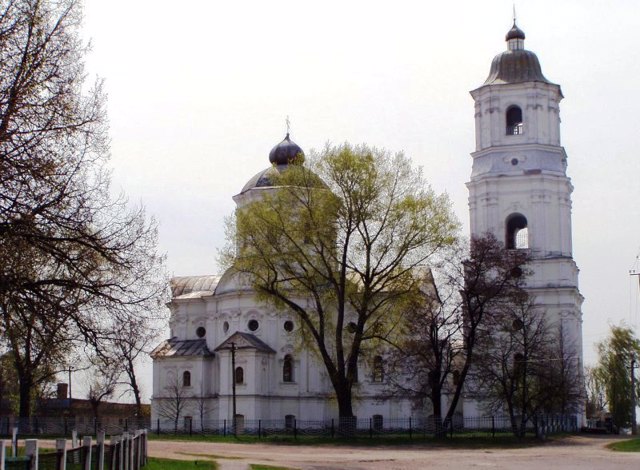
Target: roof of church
{"type": "Point", "coordinates": [245, 341]}
{"type": "Point", "coordinates": [515, 65]}
{"type": "Point", "coordinates": [264, 178]}
{"type": "Point", "coordinates": [286, 152]}
{"type": "Point", "coordinates": [281, 156]}
{"type": "Point", "coordinates": [185, 287]}
{"type": "Point", "coordinates": [178, 348]}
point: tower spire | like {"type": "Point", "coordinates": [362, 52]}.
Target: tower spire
{"type": "Point", "coordinates": [288, 122]}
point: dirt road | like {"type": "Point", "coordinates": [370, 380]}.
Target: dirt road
{"type": "Point", "coordinates": [579, 453]}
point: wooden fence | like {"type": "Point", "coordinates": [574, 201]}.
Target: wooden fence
{"type": "Point", "coordinates": [125, 452]}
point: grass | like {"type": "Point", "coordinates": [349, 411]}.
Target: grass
{"type": "Point", "coordinates": [170, 464]}
{"type": "Point", "coordinates": [255, 466]}
{"type": "Point", "coordinates": [629, 445]}
{"type": "Point", "coordinates": [461, 440]}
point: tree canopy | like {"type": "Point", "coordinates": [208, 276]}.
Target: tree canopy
{"type": "Point", "coordinates": [617, 355]}
{"type": "Point", "coordinates": [74, 261]}
{"type": "Point", "coordinates": [338, 242]}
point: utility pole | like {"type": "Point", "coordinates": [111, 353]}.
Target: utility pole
{"type": "Point", "coordinates": [233, 385]}
{"type": "Point", "coordinates": [634, 425]}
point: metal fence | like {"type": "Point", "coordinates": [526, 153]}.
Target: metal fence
{"type": "Point", "coordinates": [61, 426]}
{"type": "Point", "coordinates": [365, 427]}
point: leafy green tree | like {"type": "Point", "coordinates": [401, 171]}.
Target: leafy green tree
{"type": "Point", "coordinates": [617, 355]}
{"type": "Point", "coordinates": [337, 243]}
{"type": "Point", "coordinates": [595, 388]}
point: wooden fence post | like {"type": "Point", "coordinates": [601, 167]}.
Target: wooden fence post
{"type": "Point", "coordinates": [100, 460]}
{"type": "Point", "coordinates": [86, 444]}
{"type": "Point", "coordinates": [61, 461]}
{"type": "Point", "coordinates": [113, 458]}
{"type": "Point", "coordinates": [14, 442]}
{"type": "Point", "coordinates": [131, 452]}
{"type": "Point", "coordinates": [125, 452]}
{"type": "Point", "coordinates": [3, 454]}
{"type": "Point", "coordinates": [31, 450]}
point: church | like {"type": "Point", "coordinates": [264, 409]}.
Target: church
{"type": "Point", "coordinates": [229, 354]}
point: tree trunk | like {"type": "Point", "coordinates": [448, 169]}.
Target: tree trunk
{"type": "Point", "coordinates": [25, 381]}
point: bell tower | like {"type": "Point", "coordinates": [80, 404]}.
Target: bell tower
{"type": "Point", "coordinates": [519, 189]}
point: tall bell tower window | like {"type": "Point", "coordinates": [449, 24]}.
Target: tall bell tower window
{"type": "Point", "coordinates": [515, 126]}
{"type": "Point", "coordinates": [517, 232]}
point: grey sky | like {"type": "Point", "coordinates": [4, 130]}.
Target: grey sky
{"type": "Point", "coordinates": [199, 92]}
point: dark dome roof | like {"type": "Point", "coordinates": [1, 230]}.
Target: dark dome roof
{"type": "Point", "coordinates": [286, 152]}
{"type": "Point", "coordinates": [515, 66]}
{"type": "Point", "coordinates": [264, 179]}
{"type": "Point", "coordinates": [282, 156]}
{"type": "Point", "coordinates": [514, 33]}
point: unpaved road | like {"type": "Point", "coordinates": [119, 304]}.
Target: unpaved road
{"type": "Point", "coordinates": [578, 452]}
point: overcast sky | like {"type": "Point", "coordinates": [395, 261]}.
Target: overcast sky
{"type": "Point", "coordinates": [199, 92]}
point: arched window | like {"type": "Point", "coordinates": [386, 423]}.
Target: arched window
{"type": "Point", "coordinates": [378, 369]}
{"type": "Point", "coordinates": [287, 369]}
{"type": "Point", "coordinates": [239, 375]}
{"type": "Point", "coordinates": [517, 232]}
{"type": "Point", "coordinates": [515, 125]}
{"type": "Point", "coordinates": [186, 379]}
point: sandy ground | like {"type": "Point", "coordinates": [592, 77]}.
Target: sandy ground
{"type": "Point", "coordinates": [579, 452]}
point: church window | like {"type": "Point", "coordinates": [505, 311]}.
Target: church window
{"type": "Point", "coordinates": [186, 379]}
{"type": "Point", "coordinates": [517, 232]}
{"type": "Point", "coordinates": [377, 422]}
{"type": "Point", "coordinates": [288, 326]}
{"type": "Point", "coordinates": [515, 126]}
{"type": "Point", "coordinates": [287, 369]}
{"type": "Point", "coordinates": [225, 326]}
{"type": "Point", "coordinates": [378, 369]}
{"type": "Point", "coordinates": [289, 422]}
{"type": "Point", "coordinates": [239, 375]}
{"type": "Point", "coordinates": [200, 332]}
{"type": "Point", "coordinates": [253, 325]}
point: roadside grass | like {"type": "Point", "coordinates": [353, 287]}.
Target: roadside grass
{"type": "Point", "coordinates": [629, 445]}
{"type": "Point", "coordinates": [255, 466]}
{"type": "Point", "coordinates": [460, 440]}
{"type": "Point", "coordinates": [170, 464]}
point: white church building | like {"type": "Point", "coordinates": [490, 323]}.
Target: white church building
{"type": "Point", "coordinates": [519, 191]}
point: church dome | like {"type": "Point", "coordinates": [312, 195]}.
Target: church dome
{"type": "Point", "coordinates": [514, 33]}
{"type": "Point", "coordinates": [515, 65]}
{"type": "Point", "coordinates": [281, 156]}
{"type": "Point", "coordinates": [286, 152]}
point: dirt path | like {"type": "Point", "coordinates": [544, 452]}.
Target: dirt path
{"type": "Point", "coordinates": [579, 453]}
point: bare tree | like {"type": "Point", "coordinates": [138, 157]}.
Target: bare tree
{"type": "Point", "coordinates": [105, 377]}
{"type": "Point", "coordinates": [173, 402]}
{"type": "Point", "coordinates": [447, 324]}
{"type": "Point", "coordinates": [71, 256]}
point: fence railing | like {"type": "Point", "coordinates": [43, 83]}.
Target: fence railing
{"type": "Point", "coordinates": [126, 452]}
{"type": "Point", "coordinates": [63, 426]}
{"type": "Point", "coordinates": [365, 427]}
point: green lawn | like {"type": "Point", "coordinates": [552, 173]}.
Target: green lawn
{"type": "Point", "coordinates": [169, 464]}
{"type": "Point", "coordinates": [630, 445]}
{"type": "Point", "coordinates": [459, 440]}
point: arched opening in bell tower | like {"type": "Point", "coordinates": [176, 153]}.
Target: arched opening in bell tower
{"type": "Point", "coordinates": [517, 237]}
{"type": "Point", "coordinates": [515, 125]}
